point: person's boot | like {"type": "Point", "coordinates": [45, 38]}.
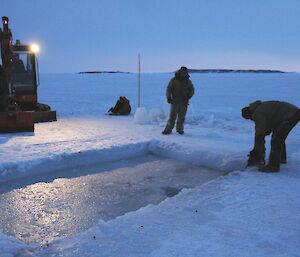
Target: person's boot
{"type": "Point", "coordinates": [269, 168]}
{"type": "Point", "coordinates": [274, 163]}
{"type": "Point", "coordinates": [168, 129]}
{"type": "Point", "coordinates": [180, 132]}
{"type": "Point", "coordinates": [166, 132]}
{"type": "Point", "coordinates": [258, 161]}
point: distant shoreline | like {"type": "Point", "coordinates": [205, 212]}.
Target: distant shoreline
{"type": "Point", "coordinates": [193, 71]}
{"type": "Point", "coordinates": [233, 71]}
{"type": "Point", "coordinates": [101, 72]}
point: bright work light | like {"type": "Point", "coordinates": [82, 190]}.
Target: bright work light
{"type": "Point", "coordinates": [35, 48]}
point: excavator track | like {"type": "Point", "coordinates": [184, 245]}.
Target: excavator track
{"type": "Point", "coordinates": [17, 121]}
{"type": "Point", "coordinates": [43, 113]}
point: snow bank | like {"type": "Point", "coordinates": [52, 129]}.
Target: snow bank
{"type": "Point", "coordinates": [205, 155]}
{"type": "Point", "coordinates": [202, 153]}
{"type": "Point", "coordinates": [141, 116]}
{"type": "Point", "coordinates": [69, 160]}
{"type": "Point", "coordinates": [10, 247]}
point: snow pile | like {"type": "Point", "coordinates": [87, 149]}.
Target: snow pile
{"type": "Point", "coordinates": [160, 115]}
{"type": "Point", "coordinates": [141, 116]}
{"type": "Point", "coordinates": [157, 115]}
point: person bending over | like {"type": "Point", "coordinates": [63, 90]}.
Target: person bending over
{"type": "Point", "coordinates": [270, 117]}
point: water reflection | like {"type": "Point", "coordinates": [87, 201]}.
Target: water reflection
{"type": "Point", "coordinates": [43, 212]}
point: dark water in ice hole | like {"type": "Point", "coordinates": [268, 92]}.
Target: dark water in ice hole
{"type": "Point", "coordinates": [67, 203]}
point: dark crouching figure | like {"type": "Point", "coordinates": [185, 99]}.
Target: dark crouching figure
{"type": "Point", "coordinates": [122, 107]}
{"type": "Point", "coordinates": [179, 91]}
{"type": "Point", "coordinates": [274, 117]}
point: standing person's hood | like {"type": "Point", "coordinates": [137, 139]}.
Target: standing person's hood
{"type": "Point", "coordinates": [182, 73]}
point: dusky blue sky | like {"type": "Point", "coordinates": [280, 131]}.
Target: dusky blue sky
{"type": "Point", "coordinates": [77, 35]}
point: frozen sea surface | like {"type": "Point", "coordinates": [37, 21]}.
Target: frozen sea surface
{"type": "Point", "coordinates": [244, 214]}
{"type": "Point", "coordinates": [75, 200]}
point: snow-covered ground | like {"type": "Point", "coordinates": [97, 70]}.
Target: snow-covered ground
{"type": "Point", "coordinates": [245, 213]}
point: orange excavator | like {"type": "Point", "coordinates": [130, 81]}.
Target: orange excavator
{"type": "Point", "coordinates": [19, 79]}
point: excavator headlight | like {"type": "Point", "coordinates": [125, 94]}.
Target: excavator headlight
{"type": "Point", "coordinates": [35, 48]}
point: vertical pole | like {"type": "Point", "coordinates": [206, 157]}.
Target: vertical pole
{"type": "Point", "coordinates": [139, 85]}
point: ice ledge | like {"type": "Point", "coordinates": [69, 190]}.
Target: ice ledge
{"type": "Point", "coordinates": [200, 155]}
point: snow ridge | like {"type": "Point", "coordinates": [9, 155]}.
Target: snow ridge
{"type": "Point", "coordinates": [68, 160]}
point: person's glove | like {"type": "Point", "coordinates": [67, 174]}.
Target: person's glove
{"type": "Point", "coordinates": [187, 99]}
{"type": "Point", "coordinates": [169, 99]}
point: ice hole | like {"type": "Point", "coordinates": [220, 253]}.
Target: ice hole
{"type": "Point", "coordinates": [71, 201]}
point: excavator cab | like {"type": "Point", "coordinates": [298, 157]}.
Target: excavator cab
{"type": "Point", "coordinates": [25, 77]}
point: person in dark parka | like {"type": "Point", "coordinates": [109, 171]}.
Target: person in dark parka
{"type": "Point", "coordinates": [179, 91]}
{"type": "Point", "coordinates": [275, 117]}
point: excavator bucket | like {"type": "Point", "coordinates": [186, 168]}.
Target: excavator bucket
{"type": "Point", "coordinates": [18, 121]}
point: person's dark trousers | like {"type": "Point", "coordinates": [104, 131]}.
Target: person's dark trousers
{"type": "Point", "coordinates": [279, 135]}
{"type": "Point", "coordinates": [283, 154]}
{"type": "Point", "coordinates": [178, 110]}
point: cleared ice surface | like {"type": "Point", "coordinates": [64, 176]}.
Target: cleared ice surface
{"type": "Point", "coordinates": [42, 212]}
